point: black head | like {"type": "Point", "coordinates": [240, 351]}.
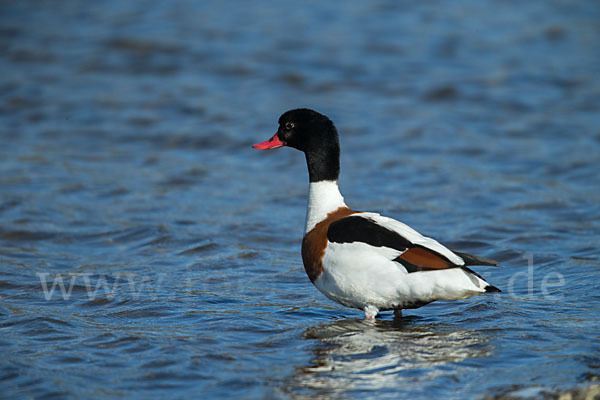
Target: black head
{"type": "Point", "coordinates": [315, 135]}
{"type": "Point", "coordinates": [307, 130]}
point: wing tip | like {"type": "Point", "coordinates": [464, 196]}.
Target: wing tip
{"type": "Point", "coordinates": [492, 289]}
{"type": "Point", "coordinates": [470, 259]}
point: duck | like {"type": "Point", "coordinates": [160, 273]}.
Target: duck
{"type": "Point", "coordinates": [360, 259]}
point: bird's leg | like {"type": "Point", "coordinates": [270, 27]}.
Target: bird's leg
{"type": "Point", "coordinates": [398, 313]}
{"type": "Point", "coordinates": [371, 312]}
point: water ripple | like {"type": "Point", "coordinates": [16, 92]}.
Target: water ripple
{"type": "Point", "coordinates": [146, 251]}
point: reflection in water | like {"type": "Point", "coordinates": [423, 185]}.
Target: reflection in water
{"type": "Point", "coordinates": [356, 355]}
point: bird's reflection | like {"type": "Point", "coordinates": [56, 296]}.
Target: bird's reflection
{"type": "Point", "coordinates": [407, 354]}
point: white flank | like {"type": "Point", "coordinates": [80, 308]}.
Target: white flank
{"type": "Point", "coordinates": [323, 198]}
{"type": "Point", "coordinates": [359, 275]}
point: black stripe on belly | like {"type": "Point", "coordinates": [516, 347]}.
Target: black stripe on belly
{"type": "Point", "coordinates": [359, 229]}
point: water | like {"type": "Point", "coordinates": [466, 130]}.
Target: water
{"type": "Point", "coordinates": [126, 173]}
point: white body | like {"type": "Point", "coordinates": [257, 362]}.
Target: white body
{"type": "Point", "coordinates": [363, 276]}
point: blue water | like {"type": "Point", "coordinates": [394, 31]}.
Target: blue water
{"type": "Point", "coordinates": [126, 174]}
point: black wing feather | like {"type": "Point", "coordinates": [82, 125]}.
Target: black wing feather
{"type": "Point", "coordinates": [359, 229]}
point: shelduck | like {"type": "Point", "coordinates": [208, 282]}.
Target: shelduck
{"type": "Point", "coordinates": [362, 259]}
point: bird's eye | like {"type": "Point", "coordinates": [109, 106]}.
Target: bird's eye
{"type": "Point", "coordinates": [289, 125]}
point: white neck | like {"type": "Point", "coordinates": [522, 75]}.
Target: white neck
{"type": "Point", "coordinates": [323, 198]}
